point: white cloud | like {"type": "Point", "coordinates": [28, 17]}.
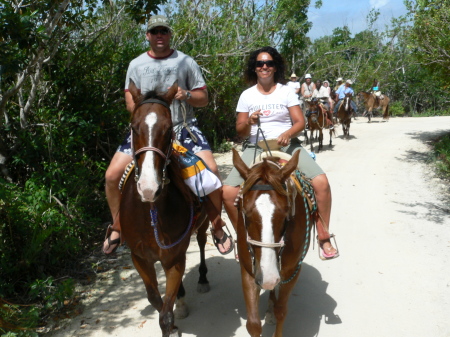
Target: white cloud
{"type": "Point", "coordinates": [378, 3]}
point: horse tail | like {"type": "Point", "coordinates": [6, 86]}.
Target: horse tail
{"type": "Point", "coordinates": [386, 112]}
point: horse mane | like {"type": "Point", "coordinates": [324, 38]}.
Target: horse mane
{"type": "Point", "coordinates": [265, 172]}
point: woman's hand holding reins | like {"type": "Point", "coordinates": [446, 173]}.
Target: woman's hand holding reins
{"type": "Point", "coordinates": [253, 118]}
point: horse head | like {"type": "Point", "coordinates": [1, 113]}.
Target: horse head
{"type": "Point", "coordinates": [264, 211]}
{"type": "Point", "coordinates": [314, 110]}
{"type": "Point", "coordinates": [347, 102]}
{"type": "Point", "coordinates": [151, 134]}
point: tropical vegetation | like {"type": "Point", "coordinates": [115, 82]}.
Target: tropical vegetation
{"type": "Point", "coordinates": [62, 70]}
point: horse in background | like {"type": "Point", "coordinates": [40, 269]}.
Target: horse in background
{"type": "Point", "coordinates": [317, 121]}
{"type": "Point", "coordinates": [372, 101]}
{"type": "Point", "coordinates": [158, 211]}
{"type": "Point", "coordinates": [345, 113]}
{"type": "Point", "coordinates": [273, 236]}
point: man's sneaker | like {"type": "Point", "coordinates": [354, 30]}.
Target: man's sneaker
{"type": "Point", "coordinates": [331, 127]}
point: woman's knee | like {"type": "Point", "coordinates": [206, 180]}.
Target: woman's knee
{"type": "Point", "coordinates": [229, 193]}
{"type": "Point", "coordinates": [321, 184]}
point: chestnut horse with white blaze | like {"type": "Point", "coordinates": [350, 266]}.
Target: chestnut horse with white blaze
{"type": "Point", "coordinates": [272, 237]}
{"type": "Point", "coordinates": [158, 211]}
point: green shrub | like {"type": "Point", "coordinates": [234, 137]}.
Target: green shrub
{"type": "Point", "coordinates": [396, 109]}
{"type": "Point", "coordinates": [442, 155]}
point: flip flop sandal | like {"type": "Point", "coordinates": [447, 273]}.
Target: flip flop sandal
{"type": "Point", "coordinates": [116, 242]}
{"type": "Point", "coordinates": [324, 256]}
{"type": "Point", "coordinates": [221, 241]}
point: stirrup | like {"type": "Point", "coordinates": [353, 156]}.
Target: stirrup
{"type": "Point", "coordinates": [322, 255]}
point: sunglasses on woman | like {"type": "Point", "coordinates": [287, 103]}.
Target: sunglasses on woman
{"type": "Point", "coordinates": [156, 31]}
{"type": "Point", "coordinates": [269, 63]}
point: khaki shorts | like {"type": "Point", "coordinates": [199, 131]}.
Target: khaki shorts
{"type": "Point", "coordinates": [306, 164]}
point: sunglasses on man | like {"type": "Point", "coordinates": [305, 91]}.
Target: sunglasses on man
{"type": "Point", "coordinates": [156, 31]}
{"type": "Point", "coordinates": [269, 63]}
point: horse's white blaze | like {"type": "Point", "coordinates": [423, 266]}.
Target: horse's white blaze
{"type": "Point", "coordinates": [347, 101]}
{"type": "Point", "coordinates": [148, 182]}
{"type": "Point", "coordinates": [268, 262]}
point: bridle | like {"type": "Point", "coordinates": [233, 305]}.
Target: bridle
{"type": "Point", "coordinates": [166, 157]}
{"type": "Point", "coordinates": [152, 148]}
{"type": "Point", "coordinates": [281, 243]}
{"type": "Point", "coordinates": [317, 112]}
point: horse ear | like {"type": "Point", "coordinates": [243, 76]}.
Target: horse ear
{"type": "Point", "coordinates": [290, 166]}
{"type": "Point", "coordinates": [240, 165]}
{"type": "Point", "coordinates": [134, 91]}
{"type": "Point", "coordinates": [170, 94]}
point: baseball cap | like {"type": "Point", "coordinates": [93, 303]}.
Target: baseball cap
{"type": "Point", "coordinates": [339, 79]}
{"type": "Point", "coordinates": [158, 21]}
{"type": "Point", "coordinates": [308, 76]}
{"type": "Point", "coordinates": [349, 82]}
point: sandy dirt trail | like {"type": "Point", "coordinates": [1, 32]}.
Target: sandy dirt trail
{"type": "Point", "coordinates": [391, 220]}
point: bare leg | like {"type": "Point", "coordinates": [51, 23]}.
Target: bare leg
{"type": "Point", "coordinates": [323, 197]}
{"type": "Point", "coordinates": [229, 196]}
{"type": "Point", "coordinates": [208, 158]}
{"type": "Point", "coordinates": [113, 196]}
{"type": "Point", "coordinates": [214, 210]}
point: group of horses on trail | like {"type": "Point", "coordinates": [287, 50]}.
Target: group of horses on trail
{"type": "Point", "coordinates": [155, 232]}
{"type": "Point", "coordinates": [318, 122]}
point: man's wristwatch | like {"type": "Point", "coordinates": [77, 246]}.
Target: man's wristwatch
{"type": "Point", "coordinates": [188, 95]}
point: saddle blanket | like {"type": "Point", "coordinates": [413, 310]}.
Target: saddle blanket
{"type": "Point", "coordinates": [196, 174]}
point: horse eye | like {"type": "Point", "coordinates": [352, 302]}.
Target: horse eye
{"type": "Point", "coordinates": [134, 130]}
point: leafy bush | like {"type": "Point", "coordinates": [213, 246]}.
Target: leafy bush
{"type": "Point", "coordinates": [396, 109]}
{"type": "Point", "coordinates": [442, 155]}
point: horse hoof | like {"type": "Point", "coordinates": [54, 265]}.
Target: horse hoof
{"type": "Point", "coordinates": [203, 288]}
{"type": "Point", "coordinates": [175, 333]}
{"type": "Point", "coordinates": [270, 318]}
{"type": "Point", "coordinates": [181, 310]}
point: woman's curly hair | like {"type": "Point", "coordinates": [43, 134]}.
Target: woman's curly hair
{"type": "Point", "coordinates": [250, 72]}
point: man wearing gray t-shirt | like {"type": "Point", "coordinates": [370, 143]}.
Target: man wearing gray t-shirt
{"type": "Point", "coordinates": [157, 69]}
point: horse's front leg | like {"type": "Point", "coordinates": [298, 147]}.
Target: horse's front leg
{"type": "Point", "coordinates": [203, 283]}
{"type": "Point", "coordinates": [311, 138]}
{"type": "Point", "coordinates": [320, 140]}
{"type": "Point", "coordinates": [173, 282]}
{"type": "Point", "coordinates": [281, 303]}
{"type": "Point", "coordinates": [147, 272]}
{"type": "Point", "coordinates": [251, 296]}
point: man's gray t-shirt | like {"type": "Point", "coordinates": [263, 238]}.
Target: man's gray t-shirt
{"type": "Point", "coordinates": [150, 73]}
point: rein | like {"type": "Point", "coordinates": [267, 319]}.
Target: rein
{"type": "Point", "coordinates": [154, 217]}
{"type": "Point", "coordinates": [321, 127]}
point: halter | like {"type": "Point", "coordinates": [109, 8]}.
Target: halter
{"type": "Point", "coordinates": [281, 243]}
{"type": "Point", "coordinates": [250, 241]}
{"type": "Point", "coordinates": [319, 106]}
{"type": "Point", "coordinates": [151, 148]}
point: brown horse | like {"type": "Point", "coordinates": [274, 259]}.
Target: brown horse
{"type": "Point", "coordinates": [371, 101]}
{"type": "Point", "coordinates": [158, 212]}
{"type": "Point", "coordinates": [345, 113]}
{"type": "Point", "coordinates": [272, 238]}
{"type": "Point", "coordinates": [317, 121]}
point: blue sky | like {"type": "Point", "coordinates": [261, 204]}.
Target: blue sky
{"type": "Point", "coordinates": [352, 13]}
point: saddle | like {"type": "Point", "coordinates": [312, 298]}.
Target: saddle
{"type": "Point", "coordinates": [196, 174]}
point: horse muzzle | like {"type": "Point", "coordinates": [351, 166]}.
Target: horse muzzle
{"type": "Point", "coordinates": [149, 191]}
{"type": "Point", "coordinates": [267, 278]}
